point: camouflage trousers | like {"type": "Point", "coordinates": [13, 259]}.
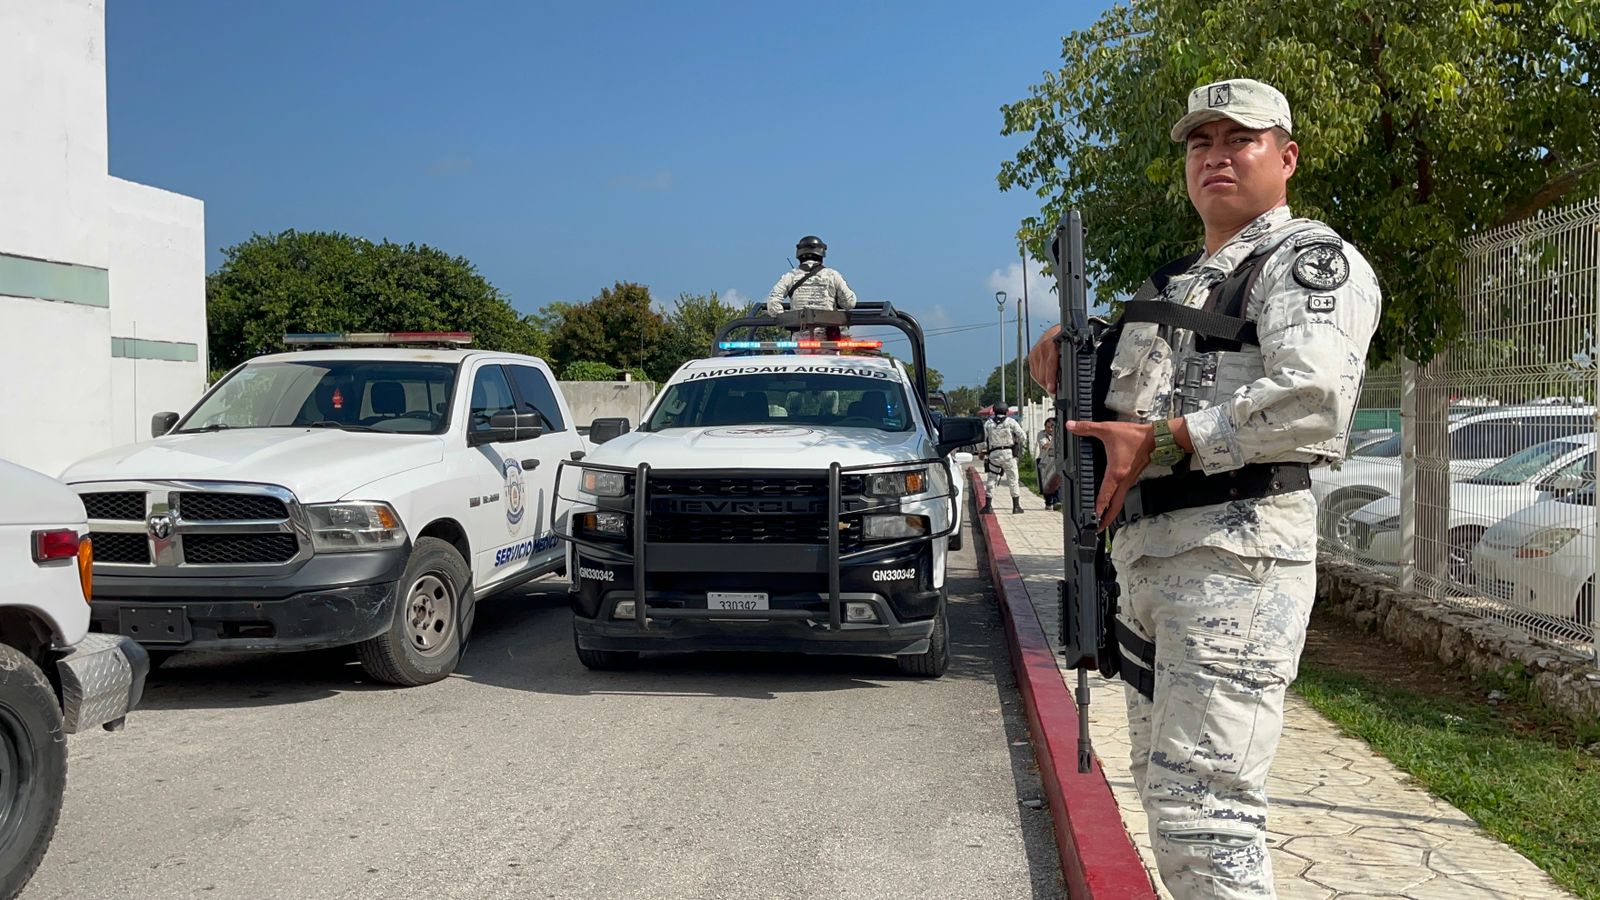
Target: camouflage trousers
{"type": "Point", "coordinates": [1006, 461]}
{"type": "Point", "coordinates": [1228, 631]}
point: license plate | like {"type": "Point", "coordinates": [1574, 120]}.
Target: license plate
{"type": "Point", "coordinates": [155, 624]}
{"type": "Point", "coordinates": [733, 601]}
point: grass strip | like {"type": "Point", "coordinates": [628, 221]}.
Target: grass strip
{"type": "Point", "coordinates": [1520, 771]}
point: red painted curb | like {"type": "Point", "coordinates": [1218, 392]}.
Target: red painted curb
{"type": "Point", "coordinates": [1098, 859]}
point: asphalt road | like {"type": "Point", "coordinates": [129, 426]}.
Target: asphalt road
{"type": "Point", "coordinates": [525, 775]}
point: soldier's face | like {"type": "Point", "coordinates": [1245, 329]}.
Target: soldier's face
{"type": "Point", "coordinates": [1236, 173]}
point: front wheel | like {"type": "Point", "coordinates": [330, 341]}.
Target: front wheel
{"type": "Point", "coordinates": [933, 662]}
{"type": "Point", "coordinates": [423, 641]}
{"type": "Point", "coordinates": [33, 768]}
{"type": "Point", "coordinates": [604, 660]}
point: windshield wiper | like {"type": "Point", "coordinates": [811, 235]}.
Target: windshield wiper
{"type": "Point", "coordinates": [214, 426]}
{"type": "Point", "coordinates": [329, 423]}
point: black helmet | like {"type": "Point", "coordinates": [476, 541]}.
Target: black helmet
{"type": "Point", "coordinates": [810, 247]}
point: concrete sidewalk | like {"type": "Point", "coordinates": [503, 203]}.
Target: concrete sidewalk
{"type": "Point", "coordinates": [1343, 821]}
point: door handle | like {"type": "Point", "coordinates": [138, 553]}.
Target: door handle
{"type": "Point", "coordinates": [528, 465]}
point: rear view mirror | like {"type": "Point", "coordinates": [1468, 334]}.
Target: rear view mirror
{"type": "Point", "coordinates": [162, 422]}
{"type": "Point", "coordinates": [608, 429]}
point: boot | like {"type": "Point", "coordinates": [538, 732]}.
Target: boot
{"type": "Point", "coordinates": [988, 505]}
{"type": "Point", "coordinates": [1016, 505]}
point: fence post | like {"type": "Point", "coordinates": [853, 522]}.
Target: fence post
{"type": "Point", "coordinates": [1408, 475]}
{"type": "Point", "coordinates": [1594, 360]}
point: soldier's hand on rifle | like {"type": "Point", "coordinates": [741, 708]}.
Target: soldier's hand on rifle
{"type": "Point", "coordinates": [1128, 447]}
{"type": "Point", "coordinates": [1044, 360]}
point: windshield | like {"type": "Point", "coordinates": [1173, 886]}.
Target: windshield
{"type": "Point", "coordinates": [349, 394]}
{"type": "Point", "coordinates": [1520, 468]}
{"type": "Point", "coordinates": [784, 398]}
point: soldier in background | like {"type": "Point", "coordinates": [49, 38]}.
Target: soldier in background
{"type": "Point", "coordinates": [812, 285]}
{"type": "Point", "coordinates": [1002, 438]}
{"type": "Point", "coordinates": [1209, 459]}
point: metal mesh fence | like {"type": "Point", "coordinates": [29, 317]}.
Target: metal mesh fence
{"type": "Point", "coordinates": [1472, 479]}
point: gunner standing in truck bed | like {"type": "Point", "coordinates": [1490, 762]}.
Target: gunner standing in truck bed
{"type": "Point", "coordinates": [812, 285]}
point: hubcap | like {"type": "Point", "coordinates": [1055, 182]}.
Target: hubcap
{"type": "Point", "coordinates": [430, 614]}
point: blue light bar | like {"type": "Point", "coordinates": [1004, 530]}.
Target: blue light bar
{"type": "Point", "coordinates": [800, 345]}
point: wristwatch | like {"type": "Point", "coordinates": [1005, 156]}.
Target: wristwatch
{"type": "Point", "coordinates": [1167, 451]}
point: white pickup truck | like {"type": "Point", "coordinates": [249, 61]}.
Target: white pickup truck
{"type": "Point", "coordinates": [804, 501]}
{"type": "Point", "coordinates": [55, 678]}
{"type": "Point", "coordinates": [365, 491]}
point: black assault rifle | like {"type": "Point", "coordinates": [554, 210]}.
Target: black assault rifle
{"type": "Point", "coordinates": [1088, 593]}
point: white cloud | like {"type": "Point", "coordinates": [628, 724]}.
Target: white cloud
{"type": "Point", "coordinates": [1043, 306]}
{"type": "Point", "coordinates": [733, 298]}
{"type": "Point", "coordinates": [937, 318]}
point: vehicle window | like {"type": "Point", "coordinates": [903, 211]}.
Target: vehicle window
{"type": "Point", "coordinates": [1582, 466]}
{"type": "Point", "coordinates": [1519, 468]}
{"type": "Point", "coordinates": [786, 398]}
{"type": "Point", "coordinates": [491, 394]}
{"type": "Point", "coordinates": [353, 394]}
{"type": "Point", "coordinates": [1495, 439]}
{"type": "Point", "coordinates": [1389, 446]}
{"type": "Point", "coordinates": [1546, 428]}
{"type": "Point", "coordinates": [537, 396]}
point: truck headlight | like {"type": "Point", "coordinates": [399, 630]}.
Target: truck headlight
{"type": "Point", "coordinates": [897, 484]}
{"type": "Point", "coordinates": [1546, 543]}
{"type": "Point", "coordinates": [362, 525]}
{"type": "Point", "coordinates": [882, 528]}
{"type": "Point", "coordinates": [604, 484]}
{"type": "Point", "coordinates": [604, 524]}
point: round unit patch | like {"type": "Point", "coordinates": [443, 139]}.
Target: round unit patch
{"type": "Point", "coordinates": [515, 489]}
{"type": "Point", "coordinates": [1321, 267]}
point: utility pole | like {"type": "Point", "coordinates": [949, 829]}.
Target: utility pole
{"type": "Point", "coordinates": [1000, 303]}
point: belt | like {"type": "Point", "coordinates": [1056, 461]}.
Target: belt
{"type": "Point", "coordinates": [1187, 490]}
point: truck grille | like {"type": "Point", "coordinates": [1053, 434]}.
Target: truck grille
{"type": "Point", "coordinates": [121, 506]}
{"type": "Point", "coordinates": [214, 507]}
{"type": "Point", "coordinates": [668, 526]}
{"type": "Point", "coordinates": [222, 549]}
{"type": "Point", "coordinates": [120, 547]}
{"type": "Point", "coordinates": [164, 525]}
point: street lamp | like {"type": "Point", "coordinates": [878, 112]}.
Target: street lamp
{"type": "Point", "coordinates": [1000, 303]}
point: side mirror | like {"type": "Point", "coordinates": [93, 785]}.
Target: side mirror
{"type": "Point", "coordinates": [602, 430]}
{"type": "Point", "coordinates": [963, 458]}
{"type": "Point", "coordinates": [162, 422]}
{"type": "Point", "coordinates": [507, 426]}
{"type": "Point", "coordinates": [959, 432]}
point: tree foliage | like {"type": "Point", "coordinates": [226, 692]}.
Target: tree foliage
{"type": "Point", "coordinates": [619, 326]}
{"type": "Point", "coordinates": [1420, 123]}
{"type": "Point", "coordinates": [317, 281]}
{"type": "Point", "coordinates": [989, 393]}
{"type": "Point", "coordinates": [589, 370]}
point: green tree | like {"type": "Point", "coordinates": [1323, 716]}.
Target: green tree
{"type": "Point", "coordinates": [692, 328]}
{"type": "Point", "coordinates": [963, 401]}
{"type": "Point", "coordinates": [618, 327]}
{"type": "Point", "coordinates": [989, 393]}
{"type": "Point", "coordinates": [589, 370]}
{"type": "Point", "coordinates": [315, 281]}
{"type": "Point", "coordinates": [1420, 123]}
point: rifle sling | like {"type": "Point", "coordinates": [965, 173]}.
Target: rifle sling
{"type": "Point", "coordinates": [1199, 321]}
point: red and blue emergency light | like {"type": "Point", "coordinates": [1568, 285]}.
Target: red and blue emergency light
{"type": "Point", "coordinates": [800, 345]}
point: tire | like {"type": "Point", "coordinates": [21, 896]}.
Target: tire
{"type": "Point", "coordinates": [1583, 611]}
{"type": "Point", "coordinates": [605, 660]}
{"type": "Point", "coordinates": [958, 539]}
{"type": "Point", "coordinates": [937, 658]}
{"type": "Point", "coordinates": [423, 642]}
{"type": "Point", "coordinates": [33, 768]}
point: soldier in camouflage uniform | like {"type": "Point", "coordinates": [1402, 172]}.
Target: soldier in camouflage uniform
{"type": "Point", "coordinates": [1222, 587]}
{"type": "Point", "coordinates": [1002, 438]}
{"type": "Point", "coordinates": [812, 285]}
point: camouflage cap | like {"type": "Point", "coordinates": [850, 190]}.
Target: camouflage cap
{"type": "Point", "coordinates": [1244, 100]}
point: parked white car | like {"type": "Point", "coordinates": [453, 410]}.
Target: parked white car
{"type": "Point", "coordinates": [365, 495]}
{"type": "Point", "coordinates": [1477, 442]}
{"type": "Point", "coordinates": [55, 678]}
{"type": "Point", "coordinates": [1542, 558]}
{"type": "Point", "coordinates": [1477, 503]}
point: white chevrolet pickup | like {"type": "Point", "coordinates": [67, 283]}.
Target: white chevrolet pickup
{"type": "Point", "coordinates": [55, 678]}
{"type": "Point", "coordinates": [804, 501]}
{"type": "Point", "coordinates": [366, 491]}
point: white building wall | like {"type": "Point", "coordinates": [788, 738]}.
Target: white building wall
{"type": "Point", "coordinates": [157, 241]}
{"type": "Point", "coordinates": [53, 130]}
{"type": "Point", "coordinates": [85, 259]}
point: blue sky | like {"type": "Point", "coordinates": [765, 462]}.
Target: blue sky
{"type": "Point", "coordinates": [562, 147]}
